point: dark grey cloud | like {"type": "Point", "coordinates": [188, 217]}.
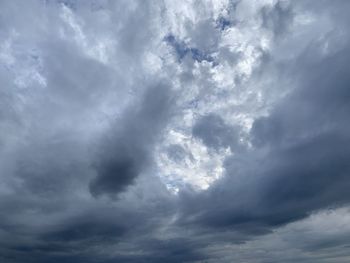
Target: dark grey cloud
{"type": "Point", "coordinates": [278, 17]}
{"type": "Point", "coordinates": [95, 95]}
{"type": "Point", "coordinates": [127, 151]}
{"type": "Point", "coordinates": [299, 159]}
{"type": "Point", "coordinates": [215, 133]}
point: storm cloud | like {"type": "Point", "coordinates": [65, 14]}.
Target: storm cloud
{"type": "Point", "coordinates": [163, 131]}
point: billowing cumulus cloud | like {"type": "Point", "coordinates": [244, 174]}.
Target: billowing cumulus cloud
{"type": "Point", "coordinates": [163, 131]}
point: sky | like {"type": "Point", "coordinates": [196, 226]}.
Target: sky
{"type": "Point", "coordinates": [174, 131]}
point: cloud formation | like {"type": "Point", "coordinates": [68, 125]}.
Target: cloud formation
{"type": "Point", "coordinates": [140, 131]}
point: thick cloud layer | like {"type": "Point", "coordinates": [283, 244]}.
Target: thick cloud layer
{"type": "Point", "coordinates": [127, 151]}
{"type": "Point", "coordinates": [299, 160]}
{"type": "Point", "coordinates": [162, 131]}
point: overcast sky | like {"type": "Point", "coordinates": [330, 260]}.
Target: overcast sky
{"type": "Point", "coordinates": [174, 131]}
